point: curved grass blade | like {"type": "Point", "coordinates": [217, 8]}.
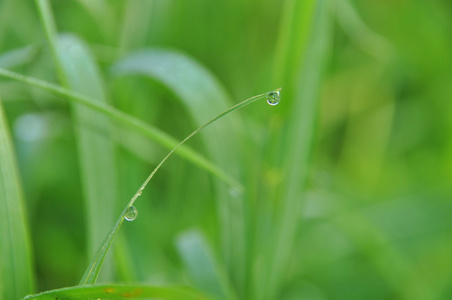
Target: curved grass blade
{"type": "Point", "coordinates": [93, 269]}
{"type": "Point", "coordinates": [153, 133]}
{"type": "Point", "coordinates": [201, 94]}
{"type": "Point", "coordinates": [120, 291]}
{"type": "Point", "coordinates": [16, 275]}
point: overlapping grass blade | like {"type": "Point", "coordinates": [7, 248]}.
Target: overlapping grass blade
{"type": "Point", "coordinates": [79, 72]}
{"type": "Point", "coordinates": [16, 274]}
{"type": "Point", "coordinates": [148, 130]}
{"type": "Point", "coordinates": [201, 94]}
{"type": "Point", "coordinates": [121, 291]}
{"type": "Point", "coordinates": [201, 265]}
{"type": "Point", "coordinates": [95, 147]}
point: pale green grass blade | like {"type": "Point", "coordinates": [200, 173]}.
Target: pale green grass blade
{"type": "Point", "coordinates": [18, 57]}
{"type": "Point", "coordinates": [119, 291]}
{"type": "Point", "coordinates": [300, 141]}
{"type": "Point", "coordinates": [368, 40]}
{"type": "Point", "coordinates": [95, 146]}
{"type": "Point", "coordinates": [201, 265]}
{"type": "Point", "coordinates": [202, 95]}
{"type": "Point", "coordinates": [16, 272]}
{"type": "Point", "coordinates": [153, 133]}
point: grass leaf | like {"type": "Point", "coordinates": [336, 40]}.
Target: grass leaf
{"type": "Point", "coordinates": [201, 94]}
{"type": "Point", "coordinates": [17, 278]}
{"type": "Point", "coordinates": [148, 130]}
{"type": "Point", "coordinates": [18, 57]}
{"type": "Point", "coordinates": [95, 146]}
{"type": "Point", "coordinates": [300, 138]}
{"type": "Point", "coordinates": [91, 273]}
{"type": "Point", "coordinates": [120, 291]}
{"type": "Point", "coordinates": [201, 265]}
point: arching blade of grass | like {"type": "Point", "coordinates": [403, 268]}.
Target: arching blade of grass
{"type": "Point", "coordinates": [201, 265]}
{"type": "Point", "coordinates": [93, 269]}
{"type": "Point", "coordinates": [119, 291]}
{"type": "Point", "coordinates": [201, 94]}
{"type": "Point", "coordinates": [153, 133]}
{"type": "Point", "coordinates": [95, 146]}
{"type": "Point", "coordinates": [16, 275]}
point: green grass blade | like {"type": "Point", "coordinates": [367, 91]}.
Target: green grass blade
{"type": "Point", "coordinates": [300, 141]}
{"type": "Point", "coordinates": [120, 291]}
{"type": "Point", "coordinates": [201, 265]}
{"type": "Point", "coordinates": [368, 40]}
{"type": "Point", "coordinates": [18, 57]}
{"type": "Point", "coordinates": [16, 275]}
{"type": "Point", "coordinates": [91, 273]}
{"type": "Point", "coordinates": [153, 133]}
{"type": "Point", "coordinates": [79, 72]}
{"type": "Point", "coordinates": [95, 146]}
{"type": "Point", "coordinates": [201, 94]}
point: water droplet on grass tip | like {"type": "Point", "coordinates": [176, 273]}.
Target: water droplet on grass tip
{"type": "Point", "coordinates": [131, 213]}
{"type": "Point", "coordinates": [274, 97]}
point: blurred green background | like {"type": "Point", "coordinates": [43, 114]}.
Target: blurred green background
{"type": "Point", "coordinates": [347, 181]}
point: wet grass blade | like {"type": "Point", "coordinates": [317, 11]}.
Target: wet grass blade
{"type": "Point", "coordinates": [119, 291]}
{"type": "Point", "coordinates": [16, 275]}
{"type": "Point", "coordinates": [91, 273]}
{"type": "Point", "coordinates": [136, 124]}
{"type": "Point", "coordinates": [201, 94]}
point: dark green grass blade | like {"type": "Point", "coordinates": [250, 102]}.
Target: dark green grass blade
{"type": "Point", "coordinates": [148, 130]}
{"type": "Point", "coordinates": [16, 275]}
{"type": "Point", "coordinates": [95, 146]}
{"type": "Point", "coordinates": [118, 291]}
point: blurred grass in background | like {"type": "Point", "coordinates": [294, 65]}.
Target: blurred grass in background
{"type": "Point", "coordinates": [347, 180]}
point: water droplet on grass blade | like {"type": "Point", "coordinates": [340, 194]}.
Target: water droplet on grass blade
{"type": "Point", "coordinates": [131, 213]}
{"type": "Point", "coordinates": [273, 97]}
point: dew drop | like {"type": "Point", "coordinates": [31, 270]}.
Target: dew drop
{"type": "Point", "coordinates": [131, 213]}
{"type": "Point", "coordinates": [273, 97]}
{"type": "Point", "coordinates": [139, 192]}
